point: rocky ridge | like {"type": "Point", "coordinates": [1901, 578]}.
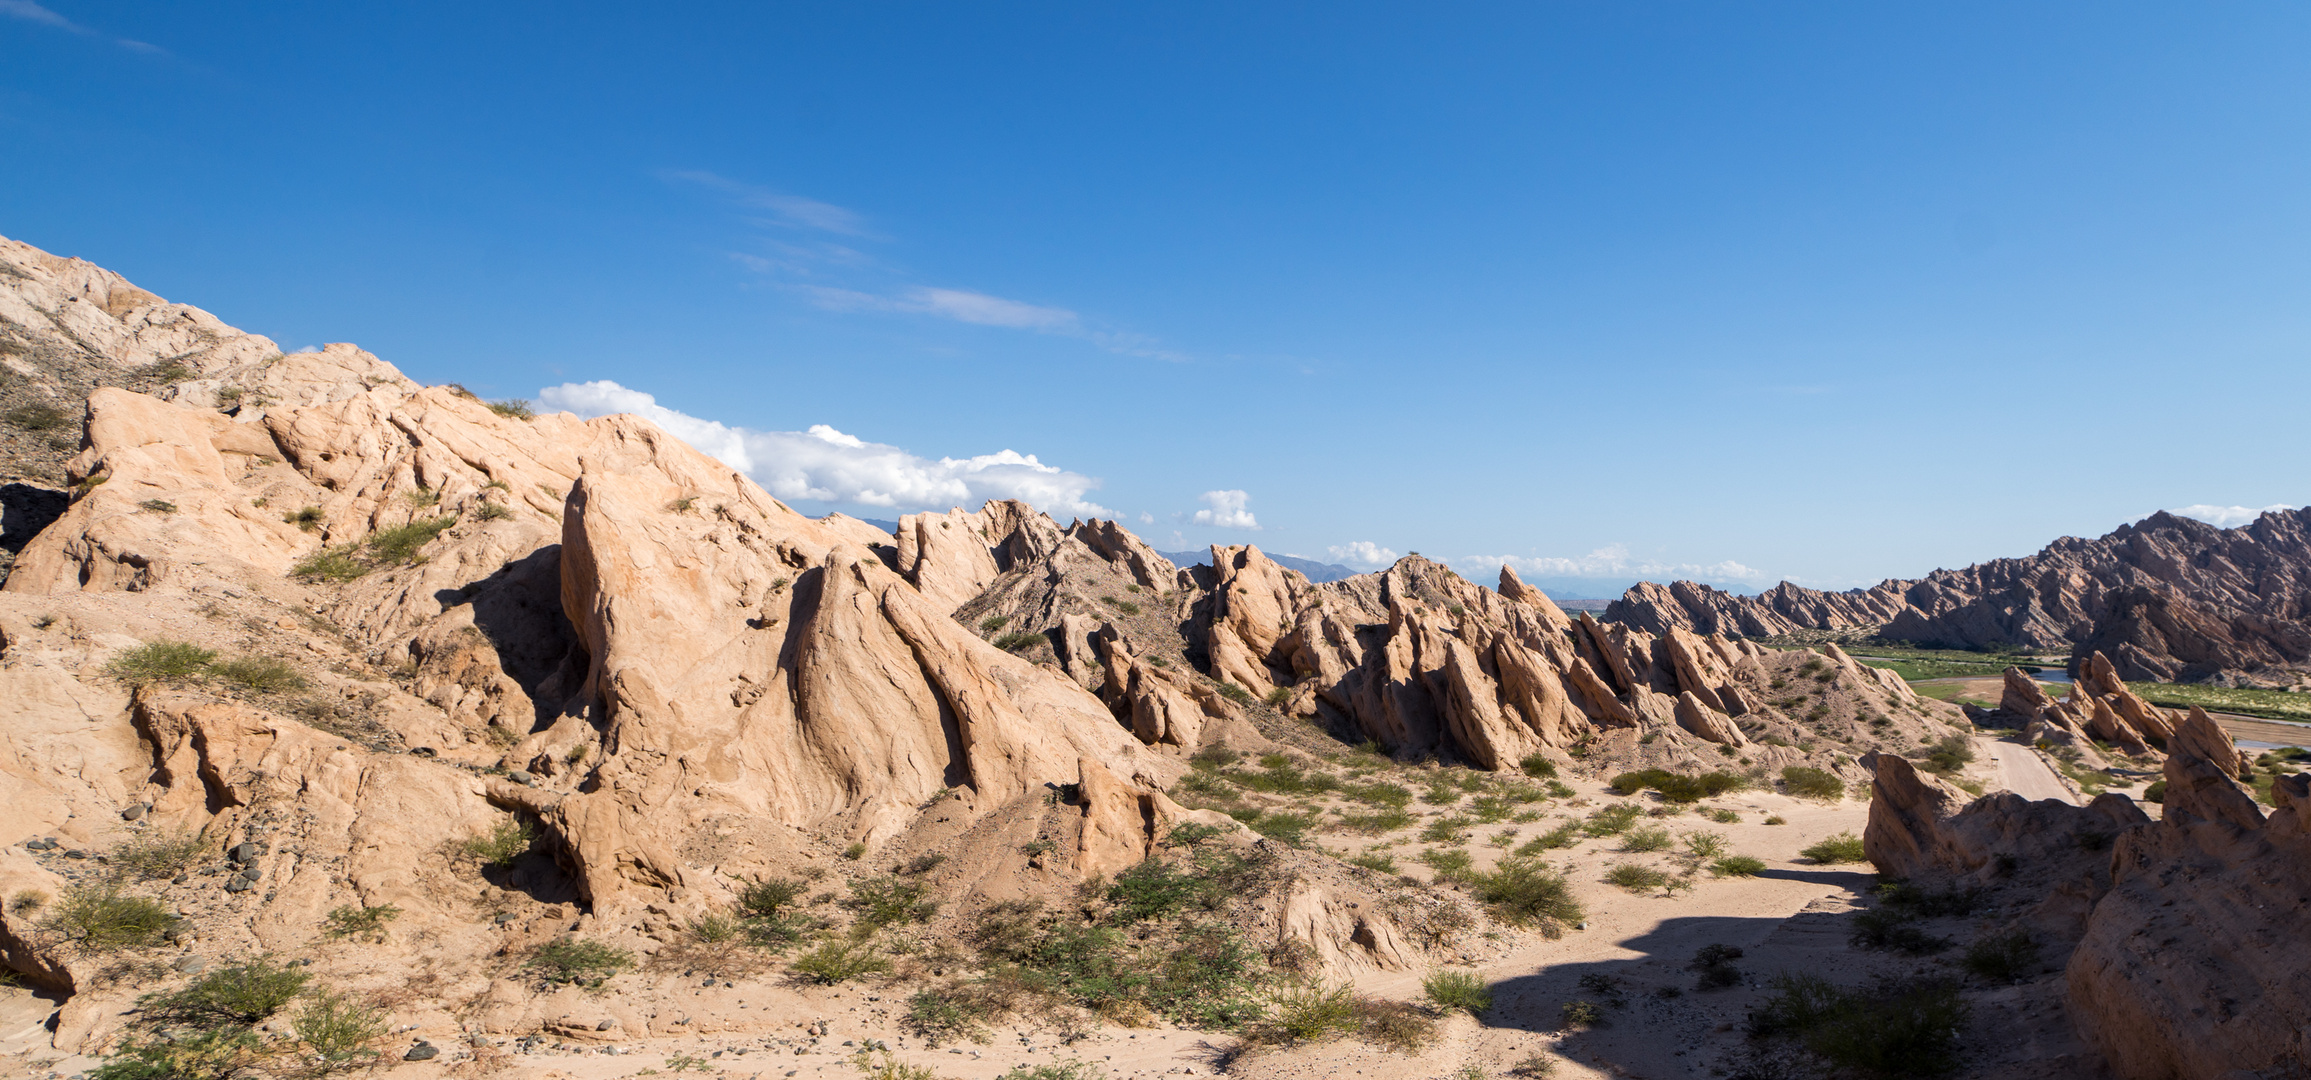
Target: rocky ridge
{"type": "Point", "coordinates": [2165, 598]}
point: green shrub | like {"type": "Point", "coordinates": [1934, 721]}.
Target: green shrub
{"type": "Point", "coordinates": [1810, 783]}
{"type": "Point", "coordinates": [856, 851]}
{"type": "Point", "coordinates": [361, 921]}
{"type": "Point", "coordinates": [1714, 963]}
{"type": "Point", "coordinates": [1450, 864]}
{"type": "Point", "coordinates": [1449, 829]}
{"type": "Point", "coordinates": [1235, 693]}
{"type": "Point", "coordinates": [1844, 847]}
{"type": "Point", "coordinates": [1636, 877]}
{"type": "Point", "coordinates": [2003, 957]}
{"type": "Point", "coordinates": [513, 409]}
{"type": "Point", "coordinates": [1737, 866]}
{"type": "Point", "coordinates": [1563, 836]}
{"type": "Point", "coordinates": [206, 1055]}
{"type": "Point", "coordinates": [101, 918]}
{"type": "Point", "coordinates": [887, 901]}
{"type": "Point", "coordinates": [944, 1016]}
{"type": "Point", "coordinates": [1155, 889]}
{"type": "Point", "coordinates": [1278, 696]}
{"type": "Point", "coordinates": [840, 961]}
{"type": "Point", "coordinates": [579, 960]}
{"type": "Point", "coordinates": [37, 418]}
{"type": "Point", "coordinates": [307, 518]}
{"type": "Point", "coordinates": [2156, 792]}
{"type": "Point", "coordinates": [1705, 845]}
{"type": "Point", "coordinates": [1949, 755]}
{"type": "Point", "coordinates": [1376, 861]}
{"type": "Point", "coordinates": [1612, 820]}
{"type": "Point", "coordinates": [506, 841]}
{"type": "Point", "coordinates": [1677, 788]}
{"type": "Point", "coordinates": [156, 854]}
{"type": "Point", "coordinates": [160, 661]}
{"type": "Point", "coordinates": [1538, 767]}
{"type": "Point", "coordinates": [1289, 828]}
{"type": "Point", "coordinates": [992, 623]}
{"type": "Point", "coordinates": [1895, 1029]}
{"type": "Point", "coordinates": [245, 993]}
{"type": "Point", "coordinates": [159, 506]}
{"type": "Point", "coordinates": [1524, 891]}
{"type": "Point", "coordinates": [1065, 1070]}
{"type": "Point", "coordinates": [1464, 990]}
{"type": "Point", "coordinates": [1579, 1015]}
{"type": "Point", "coordinates": [1940, 903]}
{"type": "Point", "coordinates": [261, 675]}
{"type": "Point", "coordinates": [1891, 929]}
{"type": "Point", "coordinates": [338, 1031]}
{"type": "Point", "coordinates": [1395, 1025]}
{"type": "Point", "coordinates": [330, 564]}
{"type": "Point", "coordinates": [1310, 1013]}
{"type": "Point", "coordinates": [1649, 838]}
{"type": "Point", "coordinates": [493, 512]}
{"type": "Point", "coordinates": [400, 544]}
{"type": "Point", "coordinates": [1024, 639]}
{"type": "Point", "coordinates": [1776, 819]}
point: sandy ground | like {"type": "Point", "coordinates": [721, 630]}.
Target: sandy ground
{"type": "Point", "coordinates": [1787, 918]}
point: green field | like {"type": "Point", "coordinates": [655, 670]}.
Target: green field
{"type": "Point", "coordinates": [2268, 704]}
{"type": "Point", "coordinates": [1914, 670]}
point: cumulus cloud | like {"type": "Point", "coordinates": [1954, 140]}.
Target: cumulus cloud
{"type": "Point", "coordinates": [1614, 561]}
{"type": "Point", "coordinates": [827, 465]}
{"type": "Point", "coordinates": [2226, 517]}
{"type": "Point", "coordinates": [1362, 553]}
{"type": "Point", "coordinates": [1226, 511]}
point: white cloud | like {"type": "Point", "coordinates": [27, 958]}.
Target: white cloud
{"type": "Point", "coordinates": [2226, 517]}
{"type": "Point", "coordinates": [1226, 511]}
{"type": "Point", "coordinates": [1146, 518]}
{"type": "Point", "coordinates": [29, 11]}
{"type": "Point", "coordinates": [787, 211]}
{"type": "Point", "coordinates": [1362, 553]}
{"type": "Point", "coordinates": [1614, 561]}
{"type": "Point", "coordinates": [827, 465]}
{"type": "Point", "coordinates": [961, 305]}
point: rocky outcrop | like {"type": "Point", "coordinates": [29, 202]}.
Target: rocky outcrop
{"type": "Point", "coordinates": [2177, 937]}
{"type": "Point", "coordinates": [2165, 598]}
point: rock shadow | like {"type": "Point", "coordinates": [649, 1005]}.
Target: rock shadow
{"type": "Point", "coordinates": [519, 609]}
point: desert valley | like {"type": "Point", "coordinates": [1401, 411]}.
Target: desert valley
{"type": "Point", "coordinates": [353, 724]}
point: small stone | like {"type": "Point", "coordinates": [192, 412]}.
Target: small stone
{"type": "Point", "coordinates": [523, 777]}
{"type": "Point", "coordinates": [245, 851]}
{"type": "Point", "coordinates": [606, 1025]}
{"type": "Point", "coordinates": [75, 853]}
{"type": "Point", "coordinates": [251, 873]}
{"type": "Point", "coordinates": [134, 811]}
{"type": "Point", "coordinates": [504, 917]}
{"type": "Point", "coordinates": [238, 884]}
{"type": "Point", "coordinates": [192, 965]}
{"type": "Point", "coordinates": [423, 1051]}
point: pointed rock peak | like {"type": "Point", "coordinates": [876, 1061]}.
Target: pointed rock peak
{"type": "Point", "coordinates": [1514, 588]}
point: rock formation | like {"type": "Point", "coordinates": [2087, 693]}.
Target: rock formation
{"type": "Point", "coordinates": [2165, 598]}
{"type": "Point", "coordinates": [2178, 938]}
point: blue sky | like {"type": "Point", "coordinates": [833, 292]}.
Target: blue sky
{"type": "Point", "coordinates": [1822, 292]}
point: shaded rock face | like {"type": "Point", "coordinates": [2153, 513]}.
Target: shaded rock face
{"type": "Point", "coordinates": [2181, 937]}
{"type": "Point", "coordinates": [2165, 598]}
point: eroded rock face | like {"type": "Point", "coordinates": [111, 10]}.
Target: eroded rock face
{"type": "Point", "coordinates": [2180, 937]}
{"type": "Point", "coordinates": [2166, 598]}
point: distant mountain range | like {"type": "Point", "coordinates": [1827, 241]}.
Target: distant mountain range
{"type": "Point", "coordinates": [1316, 571]}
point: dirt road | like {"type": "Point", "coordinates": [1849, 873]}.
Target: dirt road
{"type": "Point", "coordinates": [2023, 771]}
